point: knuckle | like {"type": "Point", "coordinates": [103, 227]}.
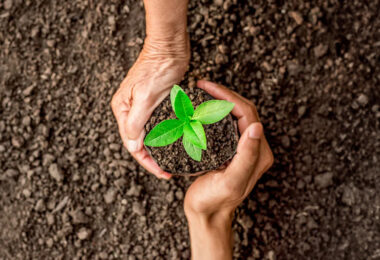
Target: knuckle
{"type": "Point", "coordinates": [269, 161]}
{"type": "Point", "coordinates": [114, 102]}
{"type": "Point", "coordinates": [194, 202]}
{"type": "Point", "coordinates": [232, 190]}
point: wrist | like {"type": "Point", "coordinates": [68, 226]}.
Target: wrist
{"type": "Point", "coordinates": [175, 47]}
{"type": "Point", "coordinates": [210, 235]}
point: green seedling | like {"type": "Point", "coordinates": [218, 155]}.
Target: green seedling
{"type": "Point", "coordinates": [189, 123]}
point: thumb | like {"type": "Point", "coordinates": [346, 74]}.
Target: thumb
{"type": "Point", "coordinates": [138, 115]}
{"type": "Point", "coordinates": [243, 163]}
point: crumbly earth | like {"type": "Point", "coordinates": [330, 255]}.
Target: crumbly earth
{"type": "Point", "coordinates": [222, 138]}
{"type": "Point", "coordinates": [69, 190]}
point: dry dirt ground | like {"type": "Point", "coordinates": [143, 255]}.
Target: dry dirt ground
{"type": "Point", "coordinates": [68, 190]}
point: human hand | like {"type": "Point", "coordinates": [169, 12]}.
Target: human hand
{"type": "Point", "coordinates": [212, 198]}
{"type": "Point", "coordinates": [161, 63]}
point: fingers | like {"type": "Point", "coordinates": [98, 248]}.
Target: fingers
{"type": "Point", "coordinates": [239, 172]}
{"type": "Point", "coordinates": [139, 152]}
{"type": "Point", "coordinates": [143, 158]}
{"type": "Point", "coordinates": [244, 110]}
{"type": "Point", "coordinates": [135, 147]}
{"type": "Point", "coordinates": [138, 115]}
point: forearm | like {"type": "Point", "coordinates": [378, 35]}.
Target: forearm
{"type": "Point", "coordinates": [211, 237]}
{"type": "Point", "coordinates": [166, 19]}
{"type": "Point", "coordinates": [166, 31]}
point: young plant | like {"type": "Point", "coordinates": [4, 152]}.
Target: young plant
{"type": "Point", "coordinates": [189, 123]}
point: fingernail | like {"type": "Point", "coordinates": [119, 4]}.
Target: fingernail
{"type": "Point", "coordinates": [255, 131]}
{"type": "Point", "coordinates": [165, 176]}
{"type": "Point", "coordinates": [132, 145]}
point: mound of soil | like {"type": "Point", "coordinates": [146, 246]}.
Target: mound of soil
{"type": "Point", "coordinates": [222, 138]}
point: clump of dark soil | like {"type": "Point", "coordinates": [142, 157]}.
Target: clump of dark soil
{"type": "Point", "coordinates": [222, 139]}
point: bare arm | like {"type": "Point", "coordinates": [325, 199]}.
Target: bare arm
{"type": "Point", "coordinates": [211, 237]}
{"type": "Point", "coordinates": [166, 22]}
{"type": "Point", "coordinates": [162, 62]}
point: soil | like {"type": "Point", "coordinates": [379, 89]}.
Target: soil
{"type": "Point", "coordinates": [222, 138]}
{"type": "Point", "coordinates": [69, 190]}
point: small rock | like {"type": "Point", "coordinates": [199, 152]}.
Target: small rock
{"type": "Point", "coordinates": [110, 195]}
{"type": "Point", "coordinates": [293, 68]}
{"type": "Point", "coordinates": [8, 4]}
{"type": "Point", "coordinates": [103, 255]}
{"type": "Point", "coordinates": [324, 180]}
{"type": "Point", "coordinates": [28, 91]}
{"type": "Point", "coordinates": [300, 184]}
{"type": "Point", "coordinates": [267, 66]}
{"type": "Point", "coordinates": [79, 217]}
{"type": "Point", "coordinates": [218, 2]}
{"type": "Point", "coordinates": [49, 242]}
{"type": "Point", "coordinates": [320, 50]}
{"type": "Point", "coordinates": [61, 204]}
{"type": "Point", "coordinates": [47, 159]}
{"type": "Point", "coordinates": [301, 111]}
{"type": "Point", "coordinates": [246, 222]}
{"type": "Point", "coordinates": [17, 141]}
{"type": "Point", "coordinates": [179, 194]}
{"type": "Point", "coordinates": [297, 17]}
{"type": "Point", "coordinates": [348, 196]}
{"type": "Point", "coordinates": [285, 141]}
{"type": "Point", "coordinates": [311, 224]}
{"type": "Point", "coordinates": [2, 148]}
{"type": "Point", "coordinates": [271, 255]}
{"type": "Point", "coordinates": [11, 173]}
{"type": "Point", "coordinates": [134, 190]}
{"type": "Point", "coordinates": [111, 20]}
{"type": "Point", "coordinates": [170, 197]}
{"type": "Point", "coordinates": [50, 219]}
{"type": "Point", "coordinates": [120, 183]}
{"type": "Point", "coordinates": [362, 100]}
{"type": "Point", "coordinates": [26, 193]}
{"type": "Point", "coordinates": [138, 209]}
{"type": "Point", "coordinates": [115, 147]}
{"type": "Point", "coordinates": [26, 121]}
{"type": "Point", "coordinates": [40, 205]}
{"type": "Point", "coordinates": [84, 233]}
{"type": "Point", "coordinates": [55, 172]}
{"type": "Point", "coordinates": [220, 59]}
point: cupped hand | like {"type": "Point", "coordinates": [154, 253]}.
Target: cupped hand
{"type": "Point", "coordinates": [221, 191]}
{"type": "Point", "coordinates": [159, 65]}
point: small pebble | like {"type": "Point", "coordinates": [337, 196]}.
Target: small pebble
{"type": "Point", "coordinates": [324, 180]}
{"type": "Point", "coordinates": [110, 195]}
{"type": "Point", "coordinates": [55, 172]}
{"type": "Point", "coordinates": [40, 205]}
{"type": "Point", "coordinates": [138, 209]}
{"type": "Point", "coordinates": [297, 17]}
{"type": "Point", "coordinates": [320, 50]}
{"type": "Point", "coordinates": [84, 233]}
{"type": "Point", "coordinates": [362, 99]}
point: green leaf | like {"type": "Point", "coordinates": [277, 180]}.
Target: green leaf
{"type": "Point", "coordinates": [193, 151]}
{"type": "Point", "coordinates": [212, 111]}
{"type": "Point", "coordinates": [195, 133]}
{"type": "Point", "coordinates": [165, 133]}
{"type": "Point", "coordinates": [183, 107]}
{"type": "Point", "coordinates": [173, 94]}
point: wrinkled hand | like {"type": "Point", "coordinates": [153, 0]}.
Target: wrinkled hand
{"type": "Point", "coordinates": [221, 191]}
{"type": "Point", "coordinates": [159, 65]}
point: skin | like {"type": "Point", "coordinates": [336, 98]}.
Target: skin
{"type": "Point", "coordinates": [212, 199]}
{"type": "Point", "coordinates": [162, 62]}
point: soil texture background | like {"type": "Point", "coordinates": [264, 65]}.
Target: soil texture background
{"type": "Point", "coordinates": [69, 190]}
{"type": "Point", "coordinates": [222, 139]}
